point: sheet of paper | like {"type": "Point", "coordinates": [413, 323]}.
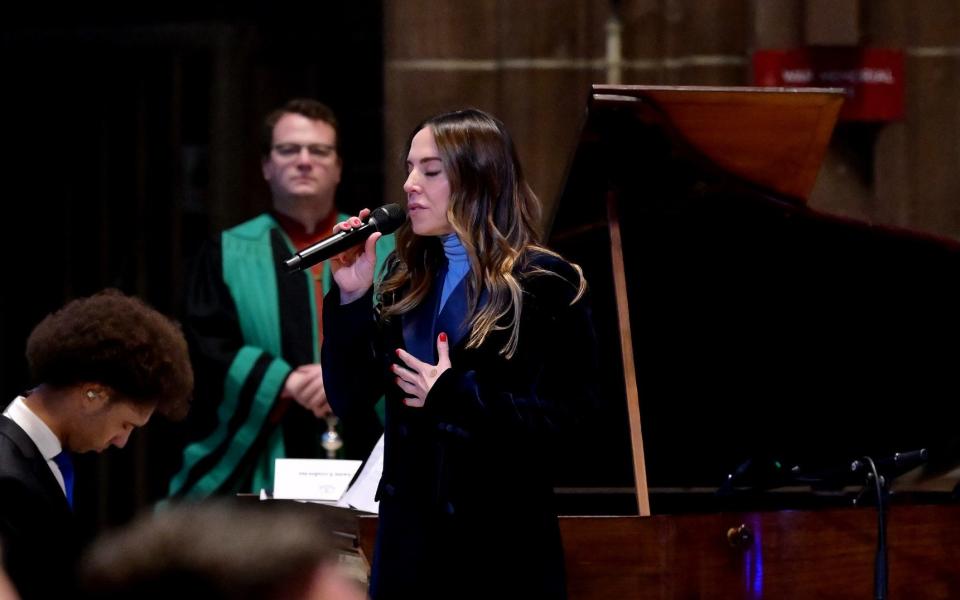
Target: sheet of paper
{"type": "Point", "coordinates": [312, 478]}
{"type": "Point", "coordinates": [361, 493]}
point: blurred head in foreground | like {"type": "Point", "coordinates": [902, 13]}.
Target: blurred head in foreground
{"type": "Point", "coordinates": [219, 550]}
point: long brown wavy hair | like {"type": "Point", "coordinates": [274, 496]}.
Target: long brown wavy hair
{"type": "Point", "coordinates": [494, 213]}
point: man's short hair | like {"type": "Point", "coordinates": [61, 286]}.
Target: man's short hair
{"type": "Point", "coordinates": [118, 341]}
{"type": "Point", "coordinates": [218, 549]}
{"type": "Point", "coordinates": [309, 108]}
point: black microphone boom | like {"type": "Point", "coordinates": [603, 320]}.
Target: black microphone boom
{"type": "Point", "coordinates": [385, 219]}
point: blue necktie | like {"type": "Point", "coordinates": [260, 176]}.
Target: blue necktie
{"type": "Point", "coordinates": [65, 463]}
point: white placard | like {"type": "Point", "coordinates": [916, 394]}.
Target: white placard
{"type": "Point", "coordinates": [312, 478]}
{"type": "Point", "coordinates": [361, 493]}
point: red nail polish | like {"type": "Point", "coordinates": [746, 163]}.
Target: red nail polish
{"type": "Point", "coordinates": [397, 351]}
{"type": "Point", "coordinates": [443, 336]}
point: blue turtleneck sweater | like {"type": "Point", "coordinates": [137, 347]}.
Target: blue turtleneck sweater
{"type": "Point", "coordinates": [458, 265]}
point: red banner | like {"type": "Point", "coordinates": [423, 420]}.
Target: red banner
{"type": "Point", "coordinates": [872, 77]}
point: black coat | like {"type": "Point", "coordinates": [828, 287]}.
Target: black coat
{"type": "Point", "coordinates": [38, 533]}
{"type": "Point", "coordinates": [466, 496]}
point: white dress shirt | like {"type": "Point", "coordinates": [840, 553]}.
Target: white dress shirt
{"type": "Point", "coordinates": [42, 436]}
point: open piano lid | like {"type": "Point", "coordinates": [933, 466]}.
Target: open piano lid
{"type": "Point", "coordinates": [763, 333]}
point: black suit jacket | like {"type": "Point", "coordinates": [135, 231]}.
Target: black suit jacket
{"type": "Point", "coordinates": [466, 507]}
{"type": "Point", "coordinates": [37, 529]}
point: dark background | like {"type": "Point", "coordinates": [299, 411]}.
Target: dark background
{"type": "Point", "coordinates": [131, 136]}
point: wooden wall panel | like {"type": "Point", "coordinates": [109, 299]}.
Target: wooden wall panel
{"type": "Point", "coordinates": [538, 56]}
{"type": "Point", "coordinates": [546, 29]}
{"type": "Point", "coordinates": [413, 94]}
{"type": "Point", "coordinates": [545, 122]}
{"type": "Point", "coordinates": [643, 29]}
{"type": "Point", "coordinates": [832, 22]}
{"type": "Point", "coordinates": [529, 63]}
{"type": "Point", "coordinates": [730, 72]}
{"type": "Point", "coordinates": [685, 42]}
{"type": "Point", "coordinates": [916, 176]}
{"type": "Point", "coordinates": [706, 27]}
{"type": "Point", "coordinates": [440, 29]}
{"type": "Point", "coordinates": [777, 23]}
{"type": "Point", "coordinates": [933, 104]}
{"type": "Point", "coordinates": [933, 23]}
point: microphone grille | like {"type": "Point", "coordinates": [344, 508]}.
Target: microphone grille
{"type": "Point", "coordinates": [388, 218]}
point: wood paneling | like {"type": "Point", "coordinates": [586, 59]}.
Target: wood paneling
{"type": "Point", "coordinates": [531, 63]}
{"type": "Point", "coordinates": [545, 122]}
{"type": "Point", "coordinates": [413, 94]}
{"type": "Point", "coordinates": [832, 22]}
{"type": "Point", "coordinates": [716, 27]}
{"type": "Point", "coordinates": [643, 29]}
{"type": "Point", "coordinates": [793, 554]}
{"type": "Point", "coordinates": [528, 63]}
{"type": "Point", "coordinates": [826, 554]}
{"type": "Point", "coordinates": [916, 174]}
{"type": "Point", "coordinates": [430, 29]}
{"type": "Point", "coordinates": [550, 29]}
{"type": "Point", "coordinates": [777, 23]}
{"type": "Point", "coordinates": [933, 142]}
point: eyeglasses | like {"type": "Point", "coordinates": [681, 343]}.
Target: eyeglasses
{"type": "Point", "coordinates": [315, 150]}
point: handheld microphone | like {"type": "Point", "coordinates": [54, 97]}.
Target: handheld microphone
{"type": "Point", "coordinates": [386, 219]}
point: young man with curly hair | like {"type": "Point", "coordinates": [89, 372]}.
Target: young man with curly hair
{"type": "Point", "coordinates": [101, 366]}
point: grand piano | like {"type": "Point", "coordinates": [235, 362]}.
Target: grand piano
{"type": "Point", "coordinates": [752, 348]}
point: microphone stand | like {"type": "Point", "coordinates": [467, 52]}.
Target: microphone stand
{"type": "Point", "coordinates": [900, 459]}
{"type": "Point", "coordinates": [893, 465]}
{"type": "Point", "coordinates": [880, 571]}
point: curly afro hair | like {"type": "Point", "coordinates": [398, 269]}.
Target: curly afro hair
{"type": "Point", "coordinates": [118, 341]}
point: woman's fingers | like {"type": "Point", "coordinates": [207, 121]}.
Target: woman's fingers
{"type": "Point", "coordinates": [350, 255]}
{"type": "Point", "coordinates": [353, 269]}
{"type": "Point", "coordinates": [404, 373]}
{"type": "Point", "coordinates": [416, 377]}
{"type": "Point", "coordinates": [410, 361]}
{"type": "Point", "coordinates": [443, 351]}
{"type": "Point", "coordinates": [352, 222]}
{"type": "Point", "coordinates": [408, 387]}
{"type": "Point", "coordinates": [370, 247]}
{"type": "Point", "coordinates": [411, 383]}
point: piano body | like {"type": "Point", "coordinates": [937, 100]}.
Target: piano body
{"type": "Point", "coordinates": [746, 334]}
{"type": "Point", "coordinates": [743, 333]}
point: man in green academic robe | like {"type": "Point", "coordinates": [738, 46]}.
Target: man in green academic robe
{"type": "Point", "coordinates": [255, 331]}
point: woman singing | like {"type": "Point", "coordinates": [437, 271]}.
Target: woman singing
{"type": "Point", "coordinates": [483, 344]}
